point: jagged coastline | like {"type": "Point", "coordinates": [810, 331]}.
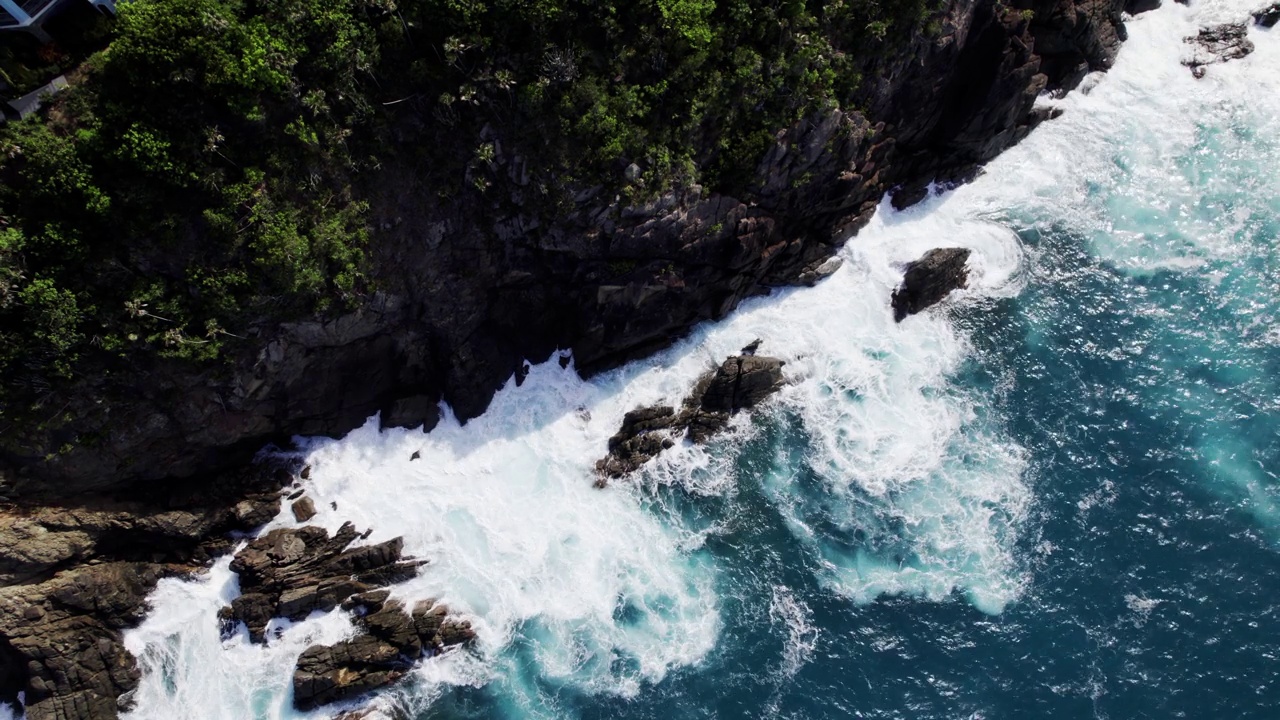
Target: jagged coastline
{"type": "Point", "coordinates": [470, 293]}
{"type": "Point", "coordinates": [472, 288]}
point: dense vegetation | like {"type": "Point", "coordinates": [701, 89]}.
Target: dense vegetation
{"type": "Point", "coordinates": [204, 175]}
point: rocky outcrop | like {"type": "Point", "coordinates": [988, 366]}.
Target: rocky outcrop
{"type": "Point", "coordinates": [126, 481]}
{"type": "Point", "coordinates": [741, 382]}
{"type": "Point", "coordinates": [1267, 17]}
{"type": "Point", "coordinates": [291, 573]}
{"type": "Point", "coordinates": [930, 279]}
{"type": "Point", "coordinates": [392, 640]}
{"type": "Point", "coordinates": [76, 575]}
{"type": "Point", "coordinates": [1218, 44]}
{"type": "Point", "coordinates": [473, 284]}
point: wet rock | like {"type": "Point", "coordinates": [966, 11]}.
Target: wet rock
{"type": "Point", "coordinates": [76, 575]}
{"type": "Point", "coordinates": [1267, 17]}
{"type": "Point", "coordinates": [392, 640]}
{"type": "Point", "coordinates": [928, 280]}
{"type": "Point", "coordinates": [290, 573]}
{"type": "Point", "coordinates": [412, 412]}
{"type": "Point", "coordinates": [1136, 7]}
{"type": "Point", "coordinates": [741, 381]}
{"type": "Point", "coordinates": [819, 271]}
{"type": "Point", "coordinates": [303, 509]}
{"type": "Point", "coordinates": [1217, 44]}
{"type": "Point", "coordinates": [349, 669]}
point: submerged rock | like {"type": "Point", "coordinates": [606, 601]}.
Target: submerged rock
{"type": "Point", "coordinates": [1218, 44]}
{"type": "Point", "coordinates": [742, 381]}
{"type": "Point", "coordinates": [928, 280]}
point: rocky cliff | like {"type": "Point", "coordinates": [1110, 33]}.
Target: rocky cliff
{"type": "Point", "coordinates": [473, 287]}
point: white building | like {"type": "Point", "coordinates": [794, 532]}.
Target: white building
{"type": "Point", "coordinates": [29, 15]}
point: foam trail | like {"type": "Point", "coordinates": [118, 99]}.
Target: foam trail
{"type": "Point", "coordinates": [895, 481]}
{"type": "Point", "coordinates": [802, 636]}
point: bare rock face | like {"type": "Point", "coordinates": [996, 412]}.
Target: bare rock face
{"type": "Point", "coordinates": [928, 280]}
{"type": "Point", "coordinates": [741, 382]}
{"type": "Point", "coordinates": [1218, 44]}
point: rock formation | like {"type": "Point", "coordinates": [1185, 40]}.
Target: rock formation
{"type": "Point", "coordinates": [291, 573]}
{"type": "Point", "coordinates": [391, 641]}
{"type": "Point", "coordinates": [130, 481]}
{"type": "Point", "coordinates": [1218, 44]}
{"type": "Point", "coordinates": [473, 286]}
{"type": "Point", "coordinates": [928, 280]}
{"type": "Point", "coordinates": [76, 575]}
{"type": "Point", "coordinates": [742, 381]}
{"type": "Point", "coordinates": [1268, 17]}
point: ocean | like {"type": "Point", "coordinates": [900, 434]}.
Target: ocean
{"type": "Point", "coordinates": [1053, 496]}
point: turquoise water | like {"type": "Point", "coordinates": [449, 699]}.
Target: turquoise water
{"type": "Point", "coordinates": [1054, 496]}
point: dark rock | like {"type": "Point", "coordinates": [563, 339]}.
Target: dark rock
{"type": "Point", "coordinates": [474, 284]}
{"type": "Point", "coordinates": [412, 412]}
{"type": "Point", "coordinates": [751, 347]}
{"type": "Point", "coordinates": [303, 509]}
{"type": "Point", "coordinates": [1136, 7]}
{"type": "Point", "coordinates": [1268, 17]}
{"type": "Point", "coordinates": [392, 640]}
{"type": "Point", "coordinates": [1217, 44]}
{"type": "Point", "coordinates": [74, 576]}
{"type": "Point", "coordinates": [349, 669]}
{"type": "Point", "coordinates": [819, 271]}
{"type": "Point", "coordinates": [417, 454]}
{"type": "Point", "coordinates": [928, 280]}
{"type": "Point", "coordinates": [291, 573]}
{"type": "Point", "coordinates": [742, 381]}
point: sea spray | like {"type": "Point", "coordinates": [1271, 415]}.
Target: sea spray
{"type": "Point", "coordinates": [606, 591]}
{"type": "Point", "coordinates": [899, 464]}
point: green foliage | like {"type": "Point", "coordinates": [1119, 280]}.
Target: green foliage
{"type": "Point", "coordinates": [689, 18]}
{"type": "Point", "coordinates": [204, 173]}
{"type": "Point", "coordinates": [195, 181]}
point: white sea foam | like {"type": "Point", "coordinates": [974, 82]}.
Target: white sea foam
{"type": "Point", "coordinates": [802, 636]}
{"type": "Point", "coordinates": [902, 486]}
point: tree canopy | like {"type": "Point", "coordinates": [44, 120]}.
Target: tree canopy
{"type": "Point", "coordinates": [203, 173]}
